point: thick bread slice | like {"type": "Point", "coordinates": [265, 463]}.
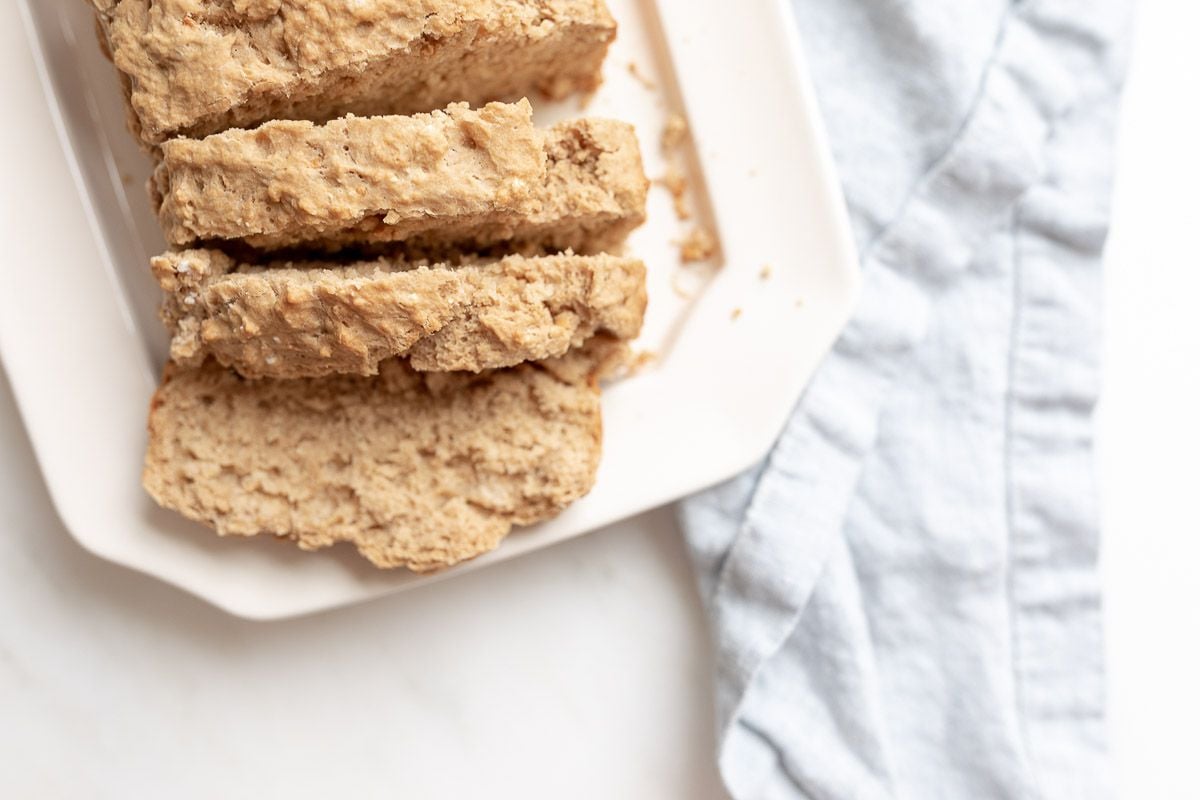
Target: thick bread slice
{"type": "Point", "coordinates": [351, 180]}
{"type": "Point", "coordinates": [307, 319]}
{"type": "Point", "coordinates": [417, 471]}
{"type": "Point", "coordinates": [195, 67]}
{"type": "Point", "coordinates": [459, 180]}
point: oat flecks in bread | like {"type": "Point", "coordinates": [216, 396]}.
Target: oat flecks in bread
{"type": "Point", "coordinates": [307, 319]}
{"type": "Point", "coordinates": [195, 67]}
{"type": "Point", "coordinates": [588, 194]}
{"type": "Point", "coordinates": [415, 470]}
{"type": "Point", "coordinates": [351, 180]}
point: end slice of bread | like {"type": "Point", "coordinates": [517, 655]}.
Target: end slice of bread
{"type": "Point", "coordinates": [421, 471]}
{"type": "Point", "coordinates": [196, 67]}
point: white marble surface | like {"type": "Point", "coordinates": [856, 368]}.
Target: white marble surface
{"type": "Point", "coordinates": [582, 671]}
{"type": "Point", "coordinates": [1150, 414]}
{"type": "Point", "coordinates": [578, 672]}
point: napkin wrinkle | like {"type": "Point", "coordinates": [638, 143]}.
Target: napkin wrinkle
{"type": "Point", "coordinates": [959, 132]}
{"type": "Point", "coordinates": [1051, 506]}
{"type": "Point", "coordinates": [912, 90]}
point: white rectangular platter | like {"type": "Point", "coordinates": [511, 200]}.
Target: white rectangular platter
{"type": "Point", "coordinates": [734, 342]}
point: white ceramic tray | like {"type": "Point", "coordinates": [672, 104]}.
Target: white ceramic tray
{"type": "Point", "coordinates": [734, 344]}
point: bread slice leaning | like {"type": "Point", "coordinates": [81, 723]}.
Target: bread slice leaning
{"type": "Point", "coordinates": [452, 180]}
{"type": "Point", "coordinates": [421, 471]}
{"type": "Point", "coordinates": [308, 319]}
{"type": "Point", "coordinates": [196, 67]}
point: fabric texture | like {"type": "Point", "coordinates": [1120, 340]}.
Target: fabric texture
{"type": "Point", "coordinates": [903, 595]}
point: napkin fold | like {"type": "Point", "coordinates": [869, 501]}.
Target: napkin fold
{"type": "Point", "coordinates": [904, 594]}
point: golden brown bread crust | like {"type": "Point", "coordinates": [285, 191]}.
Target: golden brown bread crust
{"type": "Point", "coordinates": [308, 319]}
{"type": "Point", "coordinates": [195, 67]}
{"type": "Point", "coordinates": [579, 186]}
{"type": "Point", "coordinates": [375, 179]}
{"type": "Point", "coordinates": [415, 470]}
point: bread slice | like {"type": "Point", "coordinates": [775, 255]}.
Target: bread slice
{"type": "Point", "coordinates": [307, 319]}
{"type": "Point", "coordinates": [453, 180]}
{"type": "Point", "coordinates": [196, 67]}
{"type": "Point", "coordinates": [351, 180]}
{"type": "Point", "coordinates": [415, 470]}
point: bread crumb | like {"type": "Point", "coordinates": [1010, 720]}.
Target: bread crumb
{"type": "Point", "coordinates": [800, 303]}
{"type": "Point", "coordinates": [697, 246]}
{"type": "Point", "coordinates": [765, 273]}
{"type": "Point", "coordinates": [640, 78]}
{"type": "Point", "coordinates": [675, 133]}
{"type": "Point", "coordinates": [736, 315]}
{"type": "Point", "coordinates": [680, 292]}
{"type": "Point", "coordinates": [621, 363]}
{"type": "Point", "coordinates": [638, 362]}
{"type": "Point", "coordinates": [675, 182]}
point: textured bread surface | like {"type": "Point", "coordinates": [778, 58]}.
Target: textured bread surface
{"type": "Point", "coordinates": [195, 67]}
{"type": "Point", "coordinates": [308, 319]}
{"type": "Point", "coordinates": [415, 470]}
{"type": "Point", "coordinates": [594, 194]}
{"type": "Point", "coordinates": [592, 198]}
{"type": "Point", "coordinates": [356, 179]}
{"type": "Point", "coordinates": [452, 181]}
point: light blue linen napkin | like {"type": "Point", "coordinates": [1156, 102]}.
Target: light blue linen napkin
{"type": "Point", "coordinates": [904, 595]}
